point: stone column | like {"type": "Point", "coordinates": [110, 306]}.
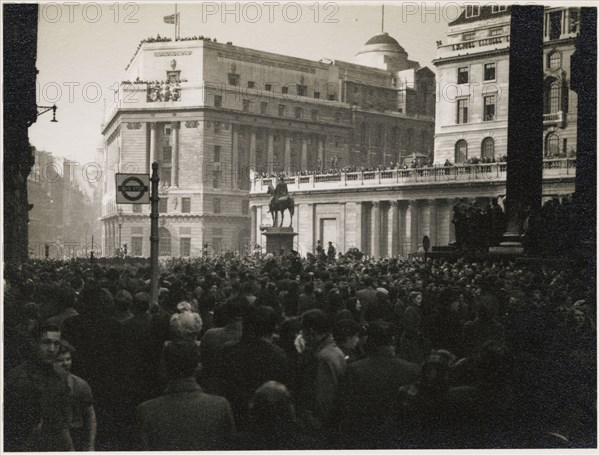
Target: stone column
{"type": "Point", "coordinates": [376, 229]}
{"type": "Point", "coordinates": [287, 154]}
{"type": "Point", "coordinates": [402, 208]}
{"type": "Point", "coordinates": [433, 222]}
{"type": "Point", "coordinates": [358, 241]}
{"type": "Point", "coordinates": [412, 225]}
{"type": "Point", "coordinates": [235, 171]}
{"type": "Point", "coordinates": [304, 155]}
{"type": "Point", "coordinates": [342, 229]}
{"type": "Point", "coordinates": [393, 226]}
{"type": "Point", "coordinates": [320, 153]}
{"type": "Point", "coordinates": [153, 128]}
{"type": "Point", "coordinates": [175, 156]}
{"type": "Point", "coordinates": [253, 226]}
{"type": "Point", "coordinates": [253, 149]}
{"type": "Point", "coordinates": [270, 151]}
{"type": "Point", "coordinates": [425, 225]}
{"type": "Point", "coordinates": [451, 235]}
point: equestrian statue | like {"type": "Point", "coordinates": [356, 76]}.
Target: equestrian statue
{"type": "Point", "coordinates": [280, 201]}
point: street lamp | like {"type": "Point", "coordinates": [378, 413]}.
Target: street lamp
{"type": "Point", "coordinates": [120, 223]}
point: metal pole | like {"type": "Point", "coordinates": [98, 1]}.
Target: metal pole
{"type": "Point", "coordinates": [154, 234]}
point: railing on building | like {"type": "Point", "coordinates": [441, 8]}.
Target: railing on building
{"type": "Point", "coordinates": [554, 118]}
{"type": "Point", "coordinates": [437, 174]}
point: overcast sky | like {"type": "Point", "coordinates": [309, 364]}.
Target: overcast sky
{"type": "Point", "coordinates": [83, 50]}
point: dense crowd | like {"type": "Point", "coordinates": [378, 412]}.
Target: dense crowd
{"type": "Point", "coordinates": [263, 352]}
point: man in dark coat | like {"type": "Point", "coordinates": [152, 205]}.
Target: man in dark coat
{"type": "Point", "coordinates": [242, 368]}
{"type": "Point", "coordinates": [184, 418]}
{"type": "Point", "coordinates": [366, 402]}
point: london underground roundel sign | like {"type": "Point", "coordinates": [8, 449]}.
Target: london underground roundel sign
{"type": "Point", "coordinates": [133, 188]}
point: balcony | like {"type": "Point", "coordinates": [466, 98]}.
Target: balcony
{"type": "Point", "coordinates": [438, 174]}
{"type": "Point", "coordinates": [555, 118]}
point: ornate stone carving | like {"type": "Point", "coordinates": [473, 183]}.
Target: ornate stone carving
{"type": "Point", "coordinates": [134, 125]}
{"type": "Point", "coordinates": [191, 124]}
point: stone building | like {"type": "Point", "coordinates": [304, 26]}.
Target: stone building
{"type": "Point", "coordinates": [212, 114]}
{"type": "Point", "coordinates": [472, 77]}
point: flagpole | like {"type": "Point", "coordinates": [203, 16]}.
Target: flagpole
{"type": "Point", "coordinates": [176, 22]}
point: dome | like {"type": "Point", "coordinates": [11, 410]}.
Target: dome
{"type": "Point", "coordinates": [382, 43]}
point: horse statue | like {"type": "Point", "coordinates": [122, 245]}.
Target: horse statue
{"type": "Point", "coordinates": [280, 204]}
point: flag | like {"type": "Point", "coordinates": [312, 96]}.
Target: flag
{"type": "Point", "coordinates": [171, 19]}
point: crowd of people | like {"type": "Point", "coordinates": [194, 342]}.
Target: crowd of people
{"type": "Point", "coordinates": [273, 353]}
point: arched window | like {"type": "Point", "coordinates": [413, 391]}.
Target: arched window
{"type": "Point", "coordinates": [487, 149]}
{"type": "Point", "coordinates": [552, 145]}
{"type": "Point", "coordinates": [164, 242]}
{"type": "Point", "coordinates": [460, 151]}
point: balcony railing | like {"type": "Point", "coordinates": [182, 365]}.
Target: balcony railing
{"type": "Point", "coordinates": [438, 174]}
{"type": "Point", "coordinates": [555, 118]}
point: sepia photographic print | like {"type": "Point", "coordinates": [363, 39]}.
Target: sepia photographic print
{"type": "Point", "coordinates": [300, 227]}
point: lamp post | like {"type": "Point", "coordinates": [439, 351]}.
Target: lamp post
{"type": "Point", "coordinates": [120, 224]}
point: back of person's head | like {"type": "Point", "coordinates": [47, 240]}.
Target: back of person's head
{"type": "Point", "coordinates": [317, 321]}
{"type": "Point", "coordinates": [271, 406]}
{"type": "Point", "coordinates": [344, 329]}
{"type": "Point", "coordinates": [123, 301]}
{"type": "Point", "coordinates": [260, 321]}
{"type": "Point", "coordinates": [309, 287]}
{"type": "Point", "coordinates": [65, 297]}
{"type": "Point", "coordinates": [185, 325]}
{"type": "Point", "coordinates": [435, 373]}
{"type": "Point", "coordinates": [378, 335]}
{"type": "Point", "coordinates": [367, 281]}
{"type": "Point", "coordinates": [181, 359]}
{"type": "Point", "coordinates": [141, 303]}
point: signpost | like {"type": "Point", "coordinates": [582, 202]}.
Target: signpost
{"type": "Point", "coordinates": [135, 189]}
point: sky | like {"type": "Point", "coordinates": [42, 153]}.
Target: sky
{"type": "Point", "coordinates": [83, 49]}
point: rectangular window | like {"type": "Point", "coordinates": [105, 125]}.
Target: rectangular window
{"type": "Point", "coordinates": [136, 245]}
{"type": "Point", "coordinates": [218, 101]}
{"type": "Point", "coordinates": [217, 205]}
{"type": "Point", "coordinates": [314, 115]}
{"type": "Point", "coordinates": [186, 205]}
{"type": "Point", "coordinates": [284, 90]}
{"type": "Point", "coordinates": [281, 110]}
{"type": "Point", "coordinates": [489, 72]}
{"type": "Point", "coordinates": [250, 84]}
{"type": "Point", "coordinates": [498, 8]}
{"type": "Point", "coordinates": [137, 208]}
{"type": "Point", "coordinates": [489, 107]}
{"type": "Point", "coordinates": [300, 90]}
{"type": "Point", "coordinates": [268, 87]}
{"type": "Point", "coordinates": [463, 75]}
{"type": "Point", "coordinates": [331, 97]}
{"type": "Point", "coordinates": [166, 154]}
{"type": "Point", "coordinates": [185, 246]}
{"type": "Point", "coordinates": [468, 36]}
{"type": "Point", "coordinates": [264, 107]}
{"type": "Point", "coordinates": [217, 175]}
{"type": "Point", "coordinates": [245, 105]}
{"type": "Point", "coordinates": [462, 110]}
{"type": "Point", "coordinates": [317, 95]}
{"type": "Point", "coordinates": [298, 113]}
{"type": "Point", "coordinates": [217, 154]}
{"type": "Point", "coordinates": [496, 31]}
{"type": "Point", "coordinates": [245, 207]}
{"type": "Point", "coordinates": [472, 11]}
{"type": "Point", "coordinates": [162, 205]}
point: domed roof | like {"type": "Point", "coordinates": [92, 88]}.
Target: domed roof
{"type": "Point", "coordinates": [382, 42]}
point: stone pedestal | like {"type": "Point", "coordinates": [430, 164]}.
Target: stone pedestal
{"type": "Point", "coordinates": [280, 240]}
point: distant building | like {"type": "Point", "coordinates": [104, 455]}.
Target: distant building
{"type": "Point", "coordinates": [472, 76]}
{"type": "Point", "coordinates": [61, 212]}
{"type": "Point", "coordinates": [212, 114]}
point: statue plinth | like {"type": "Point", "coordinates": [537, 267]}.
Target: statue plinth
{"type": "Point", "coordinates": [280, 239]}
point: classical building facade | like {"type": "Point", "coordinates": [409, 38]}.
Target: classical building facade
{"type": "Point", "coordinates": [388, 212]}
{"type": "Point", "coordinates": [212, 114]}
{"type": "Point", "coordinates": [472, 76]}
